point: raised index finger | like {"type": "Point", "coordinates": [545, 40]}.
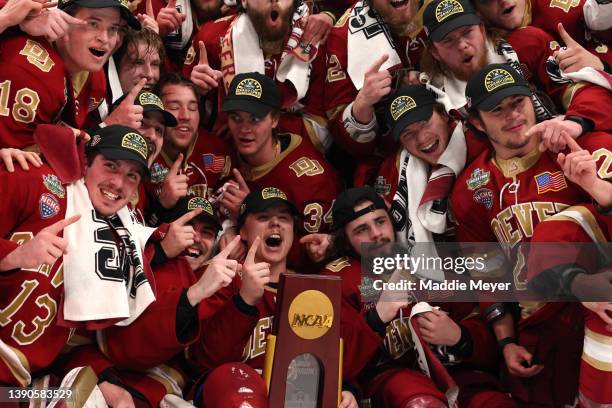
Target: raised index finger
{"type": "Point", "coordinates": [567, 39]}
{"type": "Point", "coordinates": [241, 183]}
{"type": "Point", "coordinates": [184, 219]}
{"type": "Point", "coordinates": [377, 64]}
{"type": "Point", "coordinates": [171, 4]}
{"type": "Point", "coordinates": [203, 55]}
{"type": "Point", "coordinates": [229, 248]}
{"type": "Point", "coordinates": [131, 96]}
{"type": "Point", "coordinates": [176, 166]}
{"type": "Point", "coordinates": [61, 224]}
{"type": "Point", "coordinates": [571, 143]}
{"type": "Point", "coordinates": [149, 9]}
{"type": "Point", "coordinates": [250, 258]}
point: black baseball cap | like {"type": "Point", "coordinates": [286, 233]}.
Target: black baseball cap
{"type": "Point", "coordinates": [252, 92]}
{"type": "Point", "coordinates": [121, 4]}
{"type": "Point", "coordinates": [486, 89]}
{"type": "Point", "coordinates": [262, 199]}
{"type": "Point", "coordinates": [343, 211]}
{"type": "Point", "coordinates": [187, 204]}
{"type": "Point", "coordinates": [150, 103]}
{"type": "Point", "coordinates": [117, 142]}
{"type": "Point", "coordinates": [443, 16]}
{"type": "Point", "coordinates": [409, 104]}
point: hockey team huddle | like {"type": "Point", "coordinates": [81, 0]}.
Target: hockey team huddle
{"type": "Point", "coordinates": [164, 162]}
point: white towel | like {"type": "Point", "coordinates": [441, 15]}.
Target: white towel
{"type": "Point", "coordinates": [89, 293]}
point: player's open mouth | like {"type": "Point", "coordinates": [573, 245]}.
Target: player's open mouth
{"type": "Point", "coordinates": [193, 252]}
{"type": "Point", "coordinates": [274, 14]}
{"type": "Point", "coordinates": [430, 148]}
{"type": "Point", "coordinates": [467, 60]}
{"type": "Point", "coordinates": [273, 240]}
{"type": "Point", "coordinates": [97, 52]}
{"type": "Point", "coordinates": [109, 195]}
{"type": "Point", "coordinates": [398, 3]}
{"type": "Point", "coordinates": [508, 10]}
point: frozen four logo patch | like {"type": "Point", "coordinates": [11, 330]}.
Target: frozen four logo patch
{"type": "Point", "coordinates": [54, 185]}
{"type": "Point", "coordinates": [478, 179]}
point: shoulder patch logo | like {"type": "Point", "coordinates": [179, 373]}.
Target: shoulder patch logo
{"type": "Point", "coordinates": [249, 87]}
{"type": "Point", "coordinates": [477, 179]}
{"type": "Point", "coordinates": [401, 105]}
{"type": "Point", "coordinates": [484, 196]}
{"type": "Point", "coordinates": [135, 142]}
{"type": "Point", "coordinates": [447, 8]}
{"type": "Point", "coordinates": [54, 185]}
{"type": "Point", "coordinates": [496, 78]}
{"type": "Point", "coordinates": [48, 206]}
{"type": "Point", "coordinates": [338, 264]}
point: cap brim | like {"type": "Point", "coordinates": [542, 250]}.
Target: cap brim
{"type": "Point", "coordinates": [267, 204]}
{"type": "Point", "coordinates": [125, 13]}
{"type": "Point", "coordinates": [112, 153]}
{"type": "Point", "coordinates": [489, 103]}
{"type": "Point", "coordinates": [421, 113]}
{"type": "Point", "coordinates": [206, 217]}
{"type": "Point", "coordinates": [444, 29]}
{"type": "Point", "coordinates": [259, 110]}
{"type": "Point", "coordinates": [169, 119]}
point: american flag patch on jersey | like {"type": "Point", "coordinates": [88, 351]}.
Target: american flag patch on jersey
{"type": "Point", "coordinates": [213, 163]}
{"type": "Point", "coordinates": [550, 181]}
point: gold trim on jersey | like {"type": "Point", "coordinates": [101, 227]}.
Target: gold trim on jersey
{"type": "Point", "coordinates": [569, 93]}
{"type": "Point", "coordinates": [83, 385]}
{"type": "Point", "coordinates": [516, 165]}
{"type": "Point", "coordinates": [169, 378]}
{"type": "Point", "coordinates": [528, 308]}
{"type": "Point", "coordinates": [332, 113]}
{"type": "Point", "coordinates": [312, 135]}
{"type": "Point", "coordinates": [186, 155]}
{"type": "Point", "coordinates": [591, 223]}
{"type": "Point", "coordinates": [344, 18]}
{"type": "Point", "coordinates": [78, 82]}
{"type": "Point", "coordinates": [600, 338]}
{"type": "Point", "coordinates": [254, 173]}
{"type": "Point", "coordinates": [23, 362]}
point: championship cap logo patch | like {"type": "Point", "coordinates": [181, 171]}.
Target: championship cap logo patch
{"type": "Point", "coordinates": [496, 78]}
{"type": "Point", "coordinates": [401, 105]}
{"type": "Point", "coordinates": [272, 192]}
{"type": "Point", "coordinates": [478, 178]}
{"type": "Point", "coordinates": [199, 202]}
{"type": "Point", "coordinates": [249, 87]}
{"type": "Point", "coordinates": [447, 8]}
{"type": "Point", "coordinates": [135, 142]}
{"type": "Point", "coordinates": [48, 206]}
{"type": "Point", "coordinates": [124, 3]}
{"type": "Point", "coordinates": [147, 98]}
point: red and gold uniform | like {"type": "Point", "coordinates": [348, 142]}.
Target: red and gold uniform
{"type": "Point", "coordinates": [505, 201]}
{"type": "Point", "coordinates": [37, 89]}
{"type": "Point", "coordinates": [386, 365]}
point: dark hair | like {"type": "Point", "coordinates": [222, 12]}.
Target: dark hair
{"type": "Point", "coordinates": [174, 78]}
{"type": "Point", "coordinates": [147, 36]}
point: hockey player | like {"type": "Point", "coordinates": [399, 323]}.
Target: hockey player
{"type": "Point", "coordinates": [46, 83]}
{"type": "Point", "coordinates": [515, 188]}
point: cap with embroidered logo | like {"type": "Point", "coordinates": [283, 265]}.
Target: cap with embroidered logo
{"type": "Point", "coordinates": [489, 86]}
{"type": "Point", "coordinates": [443, 16]}
{"type": "Point", "coordinates": [122, 5]}
{"type": "Point", "coordinates": [263, 198]}
{"type": "Point", "coordinates": [409, 104]}
{"type": "Point", "coordinates": [252, 92]}
{"type": "Point", "coordinates": [150, 103]}
{"type": "Point", "coordinates": [187, 204]}
{"type": "Point", "coordinates": [117, 142]}
{"type": "Point", "coordinates": [343, 210]}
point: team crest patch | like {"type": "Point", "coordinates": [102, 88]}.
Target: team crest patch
{"type": "Point", "coordinates": [249, 87]}
{"type": "Point", "coordinates": [484, 196]}
{"type": "Point", "coordinates": [401, 105]}
{"type": "Point", "coordinates": [135, 142]}
{"type": "Point", "coordinates": [272, 192]}
{"type": "Point", "coordinates": [478, 179]}
{"type": "Point", "coordinates": [381, 186]}
{"type": "Point", "coordinates": [54, 185]}
{"type": "Point", "coordinates": [550, 181]}
{"type": "Point", "coordinates": [199, 202]}
{"type": "Point", "coordinates": [147, 98]}
{"type": "Point", "coordinates": [447, 8]}
{"type": "Point", "coordinates": [496, 78]}
{"type": "Point", "coordinates": [48, 206]}
{"type": "Point", "coordinates": [158, 173]}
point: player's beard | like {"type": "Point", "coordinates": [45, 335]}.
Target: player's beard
{"type": "Point", "coordinates": [264, 31]}
{"type": "Point", "coordinates": [464, 73]}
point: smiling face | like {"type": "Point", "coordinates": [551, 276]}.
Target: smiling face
{"type": "Point", "coordinates": [506, 14]}
{"type": "Point", "coordinates": [374, 227]}
{"type": "Point", "coordinates": [153, 129]}
{"type": "Point", "coordinates": [204, 240]}
{"type": "Point", "coordinates": [271, 18]}
{"type": "Point", "coordinates": [182, 102]}
{"type": "Point", "coordinates": [427, 139]}
{"type": "Point", "coordinates": [275, 227]}
{"type": "Point", "coordinates": [111, 183]}
{"type": "Point", "coordinates": [506, 126]}
{"type": "Point", "coordinates": [462, 50]}
{"type": "Point", "coordinates": [139, 61]}
{"type": "Point", "coordinates": [88, 47]}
